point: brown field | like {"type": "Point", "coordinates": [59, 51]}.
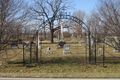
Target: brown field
{"type": "Point", "coordinates": [57, 64]}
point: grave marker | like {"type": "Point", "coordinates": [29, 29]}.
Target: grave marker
{"type": "Point", "coordinates": [116, 47]}
{"type": "Point", "coordinates": [107, 40]}
{"type": "Point", "coordinates": [66, 49]}
{"type": "Point", "coordinates": [100, 49]}
{"type": "Point", "coordinates": [82, 41]}
{"type": "Point", "coordinates": [27, 46]}
{"type": "Point", "coordinates": [14, 44]}
{"type": "Point", "coordinates": [73, 40]}
{"type": "Point", "coordinates": [48, 50]}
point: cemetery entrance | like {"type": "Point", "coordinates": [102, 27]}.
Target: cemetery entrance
{"type": "Point", "coordinates": [65, 47]}
{"type": "Point", "coordinates": [72, 50]}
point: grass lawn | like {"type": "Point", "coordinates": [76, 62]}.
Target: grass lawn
{"type": "Point", "coordinates": [62, 65]}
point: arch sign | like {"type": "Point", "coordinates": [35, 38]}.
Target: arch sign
{"type": "Point", "coordinates": [69, 17]}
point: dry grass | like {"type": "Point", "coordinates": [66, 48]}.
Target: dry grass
{"type": "Point", "coordinates": [58, 64]}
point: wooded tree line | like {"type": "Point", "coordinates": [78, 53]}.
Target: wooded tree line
{"type": "Point", "coordinates": [105, 19]}
{"type": "Point", "coordinates": [20, 16]}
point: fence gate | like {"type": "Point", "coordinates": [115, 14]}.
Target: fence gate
{"type": "Point", "coordinates": [97, 55]}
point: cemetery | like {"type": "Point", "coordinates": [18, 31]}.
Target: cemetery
{"type": "Point", "coordinates": [72, 54]}
{"type": "Point", "coordinates": [61, 46]}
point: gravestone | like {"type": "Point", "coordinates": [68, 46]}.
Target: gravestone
{"type": "Point", "coordinates": [14, 44]}
{"type": "Point", "coordinates": [87, 42]}
{"type": "Point", "coordinates": [48, 42]}
{"type": "Point", "coordinates": [84, 48]}
{"type": "Point", "coordinates": [27, 46]}
{"type": "Point", "coordinates": [74, 43]}
{"type": "Point", "coordinates": [72, 36]}
{"type": "Point", "coordinates": [117, 40]}
{"type": "Point", "coordinates": [100, 49]}
{"type": "Point", "coordinates": [54, 40]}
{"type": "Point", "coordinates": [116, 47]}
{"type": "Point", "coordinates": [39, 47]}
{"type": "Point", "coordinates": [107, 40]}
{"type": "Point", "coordinates": [66, 49]}
{"type": "Point", "coordinates": [100, 54]}
{"type": "Point", "coordinates": [82, 41]}
{"type": "Point", "coordinates": [92, 42]}
{"type": "Point", "coordinates": [48, 50]}
{"type": "Point", "coordinates": [73, 40]}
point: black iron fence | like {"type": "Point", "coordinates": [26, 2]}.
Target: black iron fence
{"type": "Point", "coordinates": [78, 53]}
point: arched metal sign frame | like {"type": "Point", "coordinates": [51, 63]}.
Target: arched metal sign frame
{"type": "Point", "coordinates": [69, 17]}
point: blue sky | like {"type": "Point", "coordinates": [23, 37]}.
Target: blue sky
{"type": "Point", "coordinates": [85, 5]}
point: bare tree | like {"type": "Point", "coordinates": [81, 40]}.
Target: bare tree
{"type": "Point", "coordinates": [108, 13]}
{"type": "Point", "coordinates": [76, 27]}
{"type": "Point", "coordinates": [106, 18]}
{"type": "Point", "coordinates": [94, 26]}
{"type": "Point", "coordinates": [49, 9]}
{"type": "Point", "coordinates": [12, 16]}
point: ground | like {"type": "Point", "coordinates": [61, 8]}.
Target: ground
{"type": "Point", "coordinates": [57, 64]}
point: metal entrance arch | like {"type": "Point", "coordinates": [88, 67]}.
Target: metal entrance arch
{"type": "Point", "coordinates": [69, 17]}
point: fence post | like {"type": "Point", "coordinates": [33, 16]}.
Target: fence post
{"type": "Point", "coordinates": [23, 56]}
{"type": "Point", "coordinates": [89, 47]}
{"type": "Point", "coordinates": [86, 53]}
{"type": "Point", "coordinates": [103, 56]}
{"type": "Point", "coordinates": [41, 49]}
{"type": "Point", "coordinates": [37, 53]}
{"type": "Point", "coordinates": [95, 51]}
{"type": "Point", "coordinates": [30, 52]}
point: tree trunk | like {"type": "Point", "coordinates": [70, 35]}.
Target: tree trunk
{"type": "Point", "coordinates": [44, 34]}
{"type": "Point", "coordinates": [52, 32]}
{"type": "Point", "coordinates": [59, 35]}
{"type": "Point", "coordinates": [52, 36]}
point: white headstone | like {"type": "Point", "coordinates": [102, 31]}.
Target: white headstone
{"type": "Point", "coordinates": [100, 49]}
{"type": "Point", "coordinates": [100, 55]}
{"type": "Point", "coordinates": [66, 49]}
{"type": "Point", "coordinates": [115, 50]}
{"type": "Point", "coordinates": [80, 44]}
{"type": "Point", "coordinates": [48, 50]}
{"type": "Point", "coordinates": [84, 48]}
{"type": "Point", "coordinates": [73, 40]}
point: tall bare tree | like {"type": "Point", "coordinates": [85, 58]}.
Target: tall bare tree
{"type": "Point", "coordinates": [49, 9]}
